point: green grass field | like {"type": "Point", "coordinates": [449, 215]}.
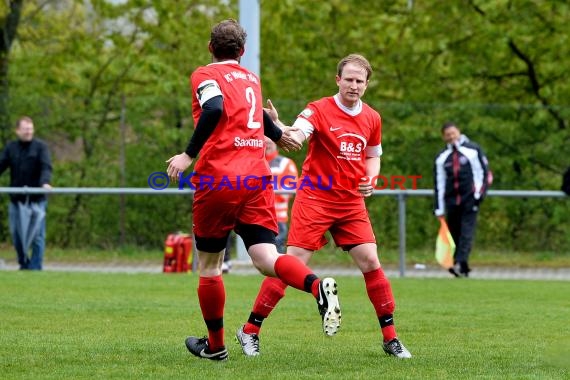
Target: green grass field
{"type": "Point", "coordinates": [96, 325]}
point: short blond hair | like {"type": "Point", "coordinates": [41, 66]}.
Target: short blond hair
{"type": "Point", "coordinates": [356, 59]}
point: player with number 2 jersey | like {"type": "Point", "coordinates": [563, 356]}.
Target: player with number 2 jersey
{"type": "Point", "coordinates": [236, 147]}
{"type": "Point", "coordinates": [230, 126]}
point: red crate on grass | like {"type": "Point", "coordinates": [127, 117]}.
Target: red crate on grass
{"type": "Point", "coordinates": [177, 253]}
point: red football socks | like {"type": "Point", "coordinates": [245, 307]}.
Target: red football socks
{"type": "Point", "coordinates": [293, 272]}
{"type": "Point", "coordinates": [380, 294]}
{"type": "Point", "coordinates": [271, 291]}
{"type": "Point", "coordinates": [212, 297]}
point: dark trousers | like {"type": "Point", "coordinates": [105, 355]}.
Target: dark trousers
{"type": "Point", "coordinates": [462, 221]}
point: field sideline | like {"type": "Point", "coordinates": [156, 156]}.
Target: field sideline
{"type": "Point", "coordinates": [101, 325]}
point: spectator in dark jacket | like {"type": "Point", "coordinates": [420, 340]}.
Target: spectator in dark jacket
{"type": "Point", "coordinates": [460, 181]}
{"type": "Point", "coordinates": [30, 165]}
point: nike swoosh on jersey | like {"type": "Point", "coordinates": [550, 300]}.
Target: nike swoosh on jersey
{"type": "Point", "coordinates": [332, 129]}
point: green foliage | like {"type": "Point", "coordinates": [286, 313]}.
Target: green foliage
{"type": "Point", "coordinates": [495, 69]}
{"type": "Point", "coordinates": [100, 79]}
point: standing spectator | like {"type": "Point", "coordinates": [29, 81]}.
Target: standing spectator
{"type": "Point", "coordinates": [460, 181]}
{"type": "Point", "coordinates": [30, 165]}
{"type": "Point", "coordinates": [229, 135]}
{"type": "Point", "coordinates": [344, 136]}
{"type": "Point", "coordinates": [285, 174]}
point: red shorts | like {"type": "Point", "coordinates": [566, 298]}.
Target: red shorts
{"type": "Point", "coordinates": [218, 209]}
{"type": "Point", "coordinates": [309, 222]}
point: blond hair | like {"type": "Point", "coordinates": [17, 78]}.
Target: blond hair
{"type": "Point", "coordinates": [356, 59]}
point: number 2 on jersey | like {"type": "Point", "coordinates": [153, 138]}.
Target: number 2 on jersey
{"type": "Point", "coordinates": [250, 96]}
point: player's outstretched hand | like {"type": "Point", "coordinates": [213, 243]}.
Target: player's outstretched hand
{"type": "Point", "coordinates": [290, 140]}
{"type": "Point", "coordinates": [271, 111]}
{"type": "Point", "coordinates": [177, 165]}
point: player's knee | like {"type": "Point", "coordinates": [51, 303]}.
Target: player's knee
{"type": "Point", "coordinates": [211, 245]}
{"type": "Point", "coordinates": [252, 234]}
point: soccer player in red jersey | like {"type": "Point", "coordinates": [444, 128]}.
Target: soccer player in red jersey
{"type": "Point", "coordinates": [344, 136]}
{"type": "Point", "coordinates": [230, 125]}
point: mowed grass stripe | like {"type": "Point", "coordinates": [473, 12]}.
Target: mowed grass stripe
{"type": "Point", "coordinates": [97, 325]}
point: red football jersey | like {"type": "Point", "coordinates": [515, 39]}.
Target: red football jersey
{"type": "Point", "coordinates": [340, 140]}
{"type": "Point", "coordinates": [236, 147]}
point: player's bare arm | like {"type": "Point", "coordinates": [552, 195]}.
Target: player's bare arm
{"type": "Point", "coordinates": [296, 134]}
{"type": "Point", "coordinates": [366, 187]}
{"type": "Point", "coordinates": [288, 140]}
{"type": "Point", "coordinates": [292, 135]}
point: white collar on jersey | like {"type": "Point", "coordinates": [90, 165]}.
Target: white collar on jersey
{"type": "Point", "coordinates": [233, 61]}
{"type": "Point", "coordinates": [351, 111]}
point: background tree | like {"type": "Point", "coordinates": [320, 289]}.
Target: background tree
{"type": "Point", "coordinates": [107, 84]}
{"type": "Point", "coordinates": [9, 20]}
